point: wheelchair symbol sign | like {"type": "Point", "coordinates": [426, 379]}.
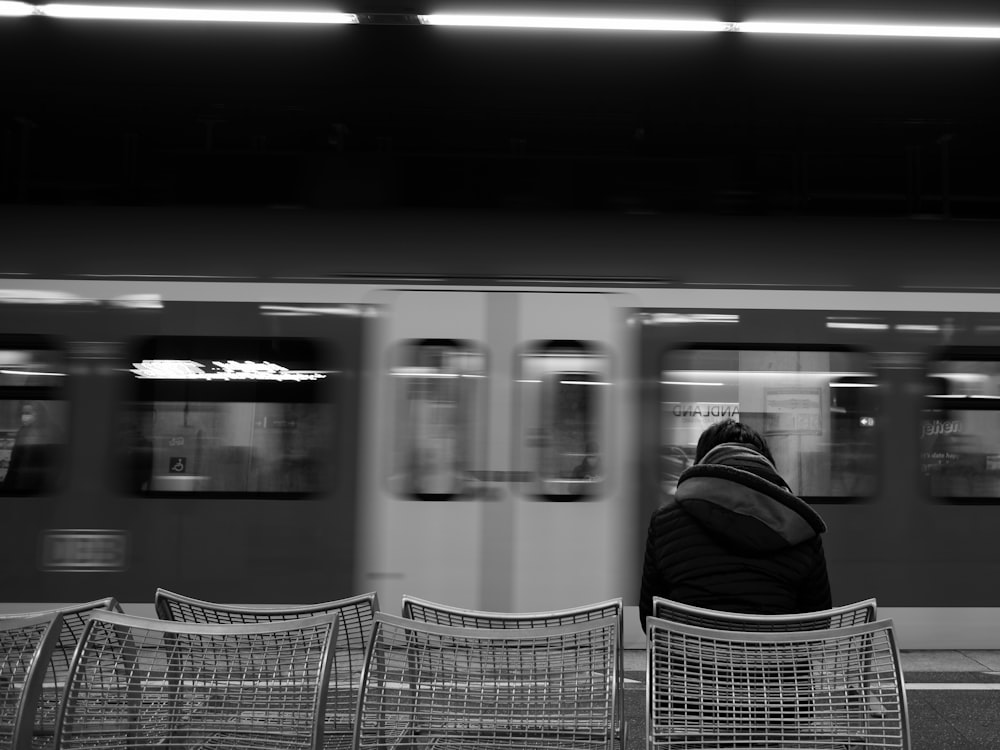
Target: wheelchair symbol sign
{"type": "Point", "coordinates": [178, 465]}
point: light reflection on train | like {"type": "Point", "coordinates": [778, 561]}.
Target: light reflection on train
{"type": "Point", "coordinates": [486, 446]}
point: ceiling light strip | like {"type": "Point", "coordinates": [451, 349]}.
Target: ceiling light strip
{"type": "Point", "coordinates": [16, 9]}
{"type": "Point", "coordinates": [868, 29]}
{"type": "Point", "coordinates": [595, 23]}
{"type": "Point", "coordinates": [571, 22]}
{"type": "Point", "coordinates": [211, 15]}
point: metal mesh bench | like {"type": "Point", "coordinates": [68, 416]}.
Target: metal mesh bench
{"type": "Point", "coordinates": [138, 682]}
{"type": "Point", "coordinates": [837, 617]}
{"type": "Point", "coordinates": [26, 647]}
{"type": "Point", "coordinates": [356, 614]}
{"type": "Point", "coordinates": [838, 688]}
{"type": "Point", "coordinates": [428, 611]}
{"type": "Point", "coordinates": [430, 685]}
{"type": "Point", "coordinates": [73, 619]}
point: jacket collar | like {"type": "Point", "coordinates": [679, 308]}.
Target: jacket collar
{"type": "Point", "coordinates": [737, 493]}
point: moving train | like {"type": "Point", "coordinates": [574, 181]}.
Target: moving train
{"type": "Point", "coordinates": [279, 406]}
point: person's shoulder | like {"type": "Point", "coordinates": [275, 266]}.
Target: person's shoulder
{"type": "Point", "coordinates": [668, 510]}
{"type": "Point", "coordinates": [670, 525]}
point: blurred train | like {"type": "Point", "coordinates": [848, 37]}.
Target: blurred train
{"type": "Point", "coordinates": [280, 407]}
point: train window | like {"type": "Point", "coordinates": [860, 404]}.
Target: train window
{"type": "Point", "coordinates": [227, 417]}
{"type": "Point", "coordinates": [561, 404]}
{"type": "Point", "coordinates": [33, 417]}
{"type": "Point", "coordinates": [960, 430]}
{"type": "Point", "coordinates": [817, 409]}
{"type": "Point", "coordinates": [440, 418]}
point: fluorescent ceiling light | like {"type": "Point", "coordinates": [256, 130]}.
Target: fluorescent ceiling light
{"type": "Point", "coordinates": [918, 328]}
{"type": "Point", "coordinates": [709, 375]}
{"type": "Point", "coordinates": [858, 326]}
{"type": "Point", "coordinates": [421, 372]}
{"type": "Point", "coordinates": [689, 382]}
{"type": "Point", "coordinates": [129, 13]}
{"type": "Point", "coordinates": [868, 29]}
{"type": "Point", "coordinates": [41, 297]}
{"type": "Point", "coordinates": [312, 310]}
{"type": "Point", "coordinates": [232, 15]}
{"type": "Point", "coordinates": [16, 9]}
{"type": "Point", "coordinates": [682, 318]}
{"type": "Point", "coordinates": [571, 22]}
{"type": "Point", "coordinates": [138, 301]}
{"type": "Point", "coordinates": [28, 372]}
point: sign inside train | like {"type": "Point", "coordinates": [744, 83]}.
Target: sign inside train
{"type": "Point", "coordinates": [684, 421]}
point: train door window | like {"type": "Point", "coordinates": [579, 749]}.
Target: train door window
{"type": "Point", "coordinates": [818, 411]}
{"type": "Point", "coordinates": [440, 418]}
{"type": "Point", "coordinates": [33, 417]}
{"type": "Point", "coordinates": [561, 401]}
{"type": "Point", "coordinates": [239, 417]}
{"type": "Point", "coordinates": [960, 429]}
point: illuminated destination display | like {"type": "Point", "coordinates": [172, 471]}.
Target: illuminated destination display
{"type": "Point", "coordinates": [187, 369]}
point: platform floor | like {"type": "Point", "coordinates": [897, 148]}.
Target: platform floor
{"type": "Point", "coordinates": [953, 699]}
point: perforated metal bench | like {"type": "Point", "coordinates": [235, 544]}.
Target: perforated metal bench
{"type": "Point", "coordinates": [836, 617]}
{"type": "Point", "coordinates": [26, 647]}
{"type": "Point", "coordinates": [356, 614]}
{"type": "Point", "coordinates": [73, 618]}
{"type": "Point", "coordinates": [428, 611]}
{"type": "Point", "coordinates": [431, 685]}
{"type": "Point", "coordinates": [138, 682]}
{"type": "Point", "coordinates": [807, 689]}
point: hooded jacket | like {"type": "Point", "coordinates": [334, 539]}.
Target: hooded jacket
{"type": "Point", "coordinates": [735, 538]}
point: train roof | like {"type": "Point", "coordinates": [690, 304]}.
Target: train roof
{"type": "Point", "coordinates": [575, 248]}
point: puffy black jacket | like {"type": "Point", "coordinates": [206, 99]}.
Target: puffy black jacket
{"type": "Point", "coordinates": [735, 538]}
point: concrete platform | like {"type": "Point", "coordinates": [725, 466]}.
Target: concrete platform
{"type": "Point", "coordinates": [953, 699]}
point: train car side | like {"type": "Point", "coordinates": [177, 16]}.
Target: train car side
{"type": "Point", "coordinates": [493, 444]}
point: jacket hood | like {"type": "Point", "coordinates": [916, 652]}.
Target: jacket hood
{"type": "Point", "coordinates": [737, 495]}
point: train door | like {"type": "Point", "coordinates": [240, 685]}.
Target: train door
{"type": "Point", "coordinates": [570, 516]}
{"type": "Point", "coordinates": [421, 518]}
{"type": "Point", "coordinates": [494, 476]}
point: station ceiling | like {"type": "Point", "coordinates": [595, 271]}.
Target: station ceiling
{"type": "Point", "coordinates": [114, 112]}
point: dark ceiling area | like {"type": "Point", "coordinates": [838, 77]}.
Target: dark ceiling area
{"type": "Point", "coordinates": [371, 116]}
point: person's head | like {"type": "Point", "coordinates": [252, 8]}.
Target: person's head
{"type": "Point", "coordinates": [27, 415]}
{"type": "Point", "coordinates": [730, 431]}
{"type": "Point", "coordinates": [37, 424]}
{"type": "Point", "coordinates": [32, 413]}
